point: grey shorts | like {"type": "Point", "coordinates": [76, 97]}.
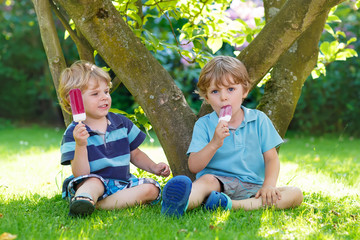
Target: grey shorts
{"type": "Point", "coordinates": [236, 189]}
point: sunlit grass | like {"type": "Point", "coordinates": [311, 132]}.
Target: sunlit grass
{"type": "Point", "coordinates": [327, 169]}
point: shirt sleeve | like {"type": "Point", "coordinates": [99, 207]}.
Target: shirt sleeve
{"type": "Point", "coordinates": [135, 135]}
{"type": "Point", "coordinates": [200, 137]}
{"type": "Point", "coordinates": [270, 138]}
{"type": "Point", "coordinates": [67, 148]}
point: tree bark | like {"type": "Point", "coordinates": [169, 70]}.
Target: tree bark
{"type": "Point", "coordinates": [51, 44]}
{"type": "Point", "coordinates": [283, 90]}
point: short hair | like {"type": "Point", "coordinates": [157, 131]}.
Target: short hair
{"type": "Point", "coordinates": [223, 70]}
{"type": "Point", "coordinates": [78, 76]}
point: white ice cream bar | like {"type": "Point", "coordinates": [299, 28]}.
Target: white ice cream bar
{"type": "Point", "coordinates": [225, 113]}
{"type": "Point", "coordinates": [77, 105]}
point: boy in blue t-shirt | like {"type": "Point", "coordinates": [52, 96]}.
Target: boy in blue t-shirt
{"type": "Point", "coordinates": [236, 162]}
{"type": "Point", "coordinates": [101, 148]}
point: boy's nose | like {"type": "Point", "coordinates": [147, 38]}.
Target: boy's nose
{"type": "Point", "coordinates": [224, 96]}
{"type": "Point", "coordinates": [104, 96]}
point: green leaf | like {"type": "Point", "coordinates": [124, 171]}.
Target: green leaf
{"type": "Point", "coordinates": [351, 40]}
{"type": "Point", "coordinates": [249, 38]}
{"type": "Point", "coordinates": [324, 48]}
{"type": "Point", "coordinates": [66, 34]}
{"type": "Point", "coordinates": [315, 74]}
{"type": "Point", "coordinates": [340, 33]}
{"type": "Point", "coordinates": [197, 44]}
{"type": "Point", "coordinates": [214, 44]}
{"type": "Point", "coordinates": [329, 29]}
{"type": "Point", "coordinates": [152, 38]}
{"type": "Point", "coordinates": [333, 18]}
{"type": "Point", "coordinates": [346, 53]}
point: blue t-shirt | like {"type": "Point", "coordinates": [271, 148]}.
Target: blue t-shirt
{"type": "Point", "coordinates": [241, 155]}
{"type": "Point", "coordinates": [110, 158]}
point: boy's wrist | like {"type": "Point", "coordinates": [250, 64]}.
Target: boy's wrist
{"type": "Point", "coordinates": [213, 145]}
{"type": "Point", "coordinates": [80, 145]}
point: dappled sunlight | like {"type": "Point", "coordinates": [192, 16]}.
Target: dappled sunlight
{"type": "Point", "coordinates": [315, 181]}
{"type": "Point", "coordinates": [289, 225]}
{"type": "Point", "coordinates": [36, 172]}
{"type": "Point", "coordinates": [219, 217]}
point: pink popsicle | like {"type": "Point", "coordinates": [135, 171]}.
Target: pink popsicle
{"type": "Point", "coordinates": [77, 105]}
{"type": "Point", "coordinates": [225, 113]}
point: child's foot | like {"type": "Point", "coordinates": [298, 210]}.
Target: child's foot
{"type": "Point", "coordinates": [81, 205]}
{"type": "Point", "coordinates": [218, 199]}
{"type": "Point", "coordinates": [176, 196]}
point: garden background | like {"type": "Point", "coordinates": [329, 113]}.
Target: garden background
{"type": "Point", "coordinates": [320, 154]}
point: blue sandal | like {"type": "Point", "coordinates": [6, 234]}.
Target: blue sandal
{"type": "Point", "coordinates": [218, 199]}
{"type": "Point", "coordinates": [176, 196]}
{"type": "Point", "coordinates": [81, 205]}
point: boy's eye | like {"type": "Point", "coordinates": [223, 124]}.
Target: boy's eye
{"type": "Point", "coordinates": [94, 94]}
{"type": "Point", "coordinates": [214, 91]}
{"type": "Point", "coordinates": [231, 89]}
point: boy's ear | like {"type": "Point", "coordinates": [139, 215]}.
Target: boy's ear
{"type": "Point", "coordinates": [245, 94]}
{"type": "Point", "coordinates": [206, 97]}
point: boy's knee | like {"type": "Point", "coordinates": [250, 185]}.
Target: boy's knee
{"type": "Point", "coordinates": [150, 191]}
{"type": "Point", "coordinates": [94, 181]}
{"type": "Point", "coordinates": [299, 196]}
{"type": "Point", "coordinates": [296, 196]}
{"type": "Point", "coordinates": [210, 179]}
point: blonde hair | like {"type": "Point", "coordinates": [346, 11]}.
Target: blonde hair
{"type": "Point", "coordinates": [78, 76]}
{"type": "Point", "coordinates": [223, 70]}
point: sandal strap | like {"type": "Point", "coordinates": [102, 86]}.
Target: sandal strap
{"type": "Point", "coordinates": [83, 195]}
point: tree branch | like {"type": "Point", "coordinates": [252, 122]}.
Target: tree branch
{"type": "Point", "coordinates": [295, 16]}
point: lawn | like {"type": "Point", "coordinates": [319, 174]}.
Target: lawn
{"type": "Point", "coordinates": [326, 168]}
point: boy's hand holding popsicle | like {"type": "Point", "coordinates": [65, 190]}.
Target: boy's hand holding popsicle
{"type": "Point", "coordinates": [222, 129]}
{"type": "Point", "coordinates": [78, 111]}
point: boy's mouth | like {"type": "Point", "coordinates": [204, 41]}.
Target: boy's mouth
{"type": "Point", "coordinates": [104, 106]}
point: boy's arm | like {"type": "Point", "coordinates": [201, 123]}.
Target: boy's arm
{"type": "Point", "coordinates": [142, 160]}
{"type": "Point", "coordinates": [198, 160]}
{"type": "Point", "coordinates": [269, 193]}
{"type": "Point", "coordinates": [80, 164]}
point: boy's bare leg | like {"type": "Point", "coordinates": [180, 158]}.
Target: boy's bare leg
{"type": "Point", "coordinates": [129, 197]}
{"type": "Point", "coordinates": [290, 197]}
{"type": "Point", "coordinates": [92, 186]}
{"type": "Point", "coordinates": [201, 189]}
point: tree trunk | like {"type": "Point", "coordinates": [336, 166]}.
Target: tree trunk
{"type": "Point", "coordinates": [283, 90]}
{"type": "Point", "coordinates": [51, 44]}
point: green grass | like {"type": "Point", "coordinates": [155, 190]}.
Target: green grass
{"type": "Point", "coordinates": [327, 169]}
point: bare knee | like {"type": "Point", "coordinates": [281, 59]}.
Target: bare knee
{"type": "Point", "coordinates": [94, 181]}
{"type": "Point", "coordinates": [298, 196]}
{"type": "Point", "coordinates": [208, 179]}
{"type": "Point", "coordinates": [150, 192]}
{"type": "Point", "coordinates": [293, 196]}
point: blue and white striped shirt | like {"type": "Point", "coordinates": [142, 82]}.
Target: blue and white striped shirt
{"type": "Point", "coordinates": [109, 158]}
